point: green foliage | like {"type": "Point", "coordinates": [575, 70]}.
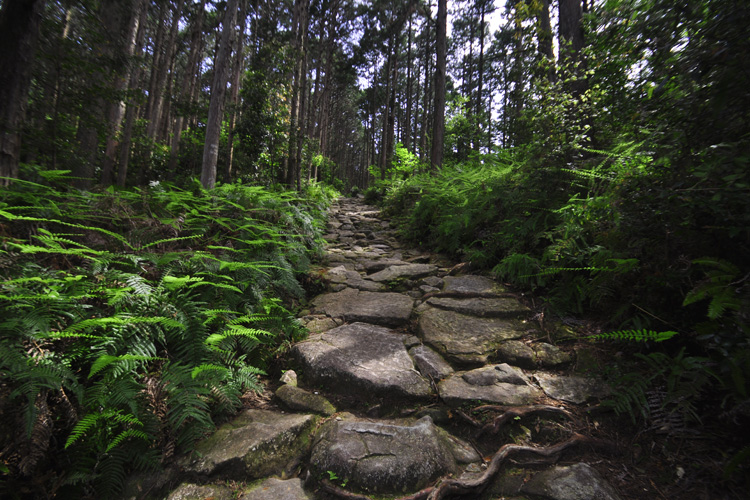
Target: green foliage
{"type": "Point", "coordinates": [635, 336]}
{"type": "Point", "coordinates": [139, 328]}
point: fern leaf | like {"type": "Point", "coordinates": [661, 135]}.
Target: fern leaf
{"type": "Point", "coordinates": [635, 335]}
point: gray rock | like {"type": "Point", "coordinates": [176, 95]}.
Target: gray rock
{"type": "Point", "coordinates": [504, 385]}
{"type": "Point", "coordinates": [465, 339]}
{"type": "Point", "coordinates": [189, 491]}
{"type": "Point", "coordinates": [575, 482]}
{"type": "Point", "coordinates": [428, 289]}
{"type": "Point", "coordinates": [490, 375]}
{"type": "Point", "coordinates": [517, 353]}
{"type": "Point", "coordinates": [413, 271]}
{"type": "Point", "coordinates": [498, 307]}
{"type": "Point", "coordinates": [289, 377]}
{"type": "Point", "coordinates": [384, 456]}
{"type": "Point", "coordinates": [277, 489]}
{"type": "Point", "coordinates": [387, 309]}
{"type": "Point", "coordinates": [318, 324]}
{"type": "Point", "coordinates": [550, 356]}
{"type": "Point", "coordinates": [432, 281]}
{"type": "Point", "coordinates": [471, 284]}
{"type": "Point", "coordinates": [542, 354]}
{"type": "Point", "coordinates": [373, 266]}
{"type": "Point", "coordinates": [362, 357]}
{"type": "Point", "coordinates": [299, 399]}
{"type": "Point", "coordinates": [430, 363]}
{"type": "Point", "coordinates": [572, 388]}
{"type": "Point", "coordinates": [255, 444]}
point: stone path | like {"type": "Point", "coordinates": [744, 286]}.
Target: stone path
{"type": "Point", "coordinates": [400, 351]}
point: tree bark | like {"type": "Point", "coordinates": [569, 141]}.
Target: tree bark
{"type": "Point", "coordinates": [132, 106]}
{"type": "Point", "coordinates": [116, 109]}
{"type": "Point", "coordinates": [235, 92]}
{"type": "Point", "coordinates": [218, 92]}
{"type": "Point", "coordinates": [188, 83]}
{"type": "Point", "coordinates": [571, 43]}
{"type": "Point", "coordinates": [19, 32]}
{"type": "Point", "coordinates": [438, 128]}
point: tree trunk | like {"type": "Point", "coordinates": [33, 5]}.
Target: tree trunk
{"type": "Point", "coordinates": [438, 128]}
{"type": "Point", "coordinates": [545, 38]}
{"type": "Point", "coordinates": [571, 43]}
{"type": "Point", "coordinates": [218, 91]}
{"type": "Point", "coordinates": [132, 107]}
{"type": "Point", "coordinates": [19, 32]}
{"type": "Point", "coordinates": [188, 83]}
{"type": "Point", "coordinates": [116, 109]}
{"type": "Point", "coordinates": [235, 93]}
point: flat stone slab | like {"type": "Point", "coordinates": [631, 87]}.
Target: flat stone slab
{"type": "Point", "coordinates": [318, 324]}
{"type": "Point", "coordinates": [411, 271]}
{"type": "Point", "coordinates": [387, 309]}
{"type": "Point", "coordinates": [572, 388]}
{"type": "Point", "coordinates": [498, 384]}
{"type": "Point", "coordinates": [302, 400]}
{"type": "Point", "coordinates": [277, 489]}
{"type": "Point", "coordinates": [494, 307]}
{"type": "Point", "coordinates": [362, 357]}
{"type": "Point", "coordinates": [471, 284]}
{"type": "Point", "coordinates": [189, 491]}
{"type": "Point", "coordinates": [373, 266]}
{"type": "Point", "coordinates": [574, 482]}
{"type": "Point", "coordinates": [465, 339]}
{"type": "Point", "coordinates": [386, 456]}
{"type": "Point", "coordinates": [255, 444]}
{"type": "Point", "coordinates": [353, 279]}
{"type": "Point", "coordinates": [430, 363]}
{"type": "Point", "coordinates": [533, 356]}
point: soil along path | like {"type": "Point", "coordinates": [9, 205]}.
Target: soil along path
{"type": "Point", "coordinates": [414, 383]}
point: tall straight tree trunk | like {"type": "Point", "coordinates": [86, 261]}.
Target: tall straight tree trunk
{"type": "Point", "coordinates": [218, 92]}
{"type": "Point", "coordinates": [571, 43]}
{"type": "Point", "coordinates": [438, 128]}
{"type": "Point", "coordinates": [299, 32]}
{"type": "Point", "coordinates": [545, 38]}
{"type": "Point", "coordinates": [132, 106]}
{"type": "Point", "coordinates": [19, 32]}
{"type": "Point", "coordinates": [116, 109]}
{"type": "Point", "coordinates": [479, 110]}
{"type": "Point", "coordinates": [406, 136]}
{"type": "Point", "coordinates": [235, 93]}
{"type": "Point", "coordinates": [188, 83]}
{"type": "Point", "coordinates": [165, 57]}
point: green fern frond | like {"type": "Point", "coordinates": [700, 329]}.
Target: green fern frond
{"type": "Point", "coordinates": [128, 433]}
{"type": "Point", "coordinates": [207, 367]}
{"type": "Point", "coordinates": [131, 361]}
{"type": "Point", "coordinates": [235, 330]}
{"type": "Point", "coordinates": [90, 324]}
{"type": "Point", "coordinates": [635, 335]}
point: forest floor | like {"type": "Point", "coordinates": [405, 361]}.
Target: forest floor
{"type": "Point", "coordinates": [410, 351]}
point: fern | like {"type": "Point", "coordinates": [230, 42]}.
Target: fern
{"type": "Point", "coordinates": [635, 335]}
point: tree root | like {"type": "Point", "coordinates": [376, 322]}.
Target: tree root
{"type": "Point", "coordinates": [446, 488]}
{"type": "Point", "coordinates": [517, 412]}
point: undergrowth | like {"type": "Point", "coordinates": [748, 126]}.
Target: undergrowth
{"type": "Point", "coordinates": [132, 321]}
{"type": "Point", "coordinates": [621, 237]}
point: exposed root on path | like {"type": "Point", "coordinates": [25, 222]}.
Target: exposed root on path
{"type": "Point", "coordinates": [447, 488]}
{"type": "Point", "coordinates": [513, 412]}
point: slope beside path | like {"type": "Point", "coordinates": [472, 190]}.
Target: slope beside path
{"type": "Point", "coordinates": [415, 382]}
